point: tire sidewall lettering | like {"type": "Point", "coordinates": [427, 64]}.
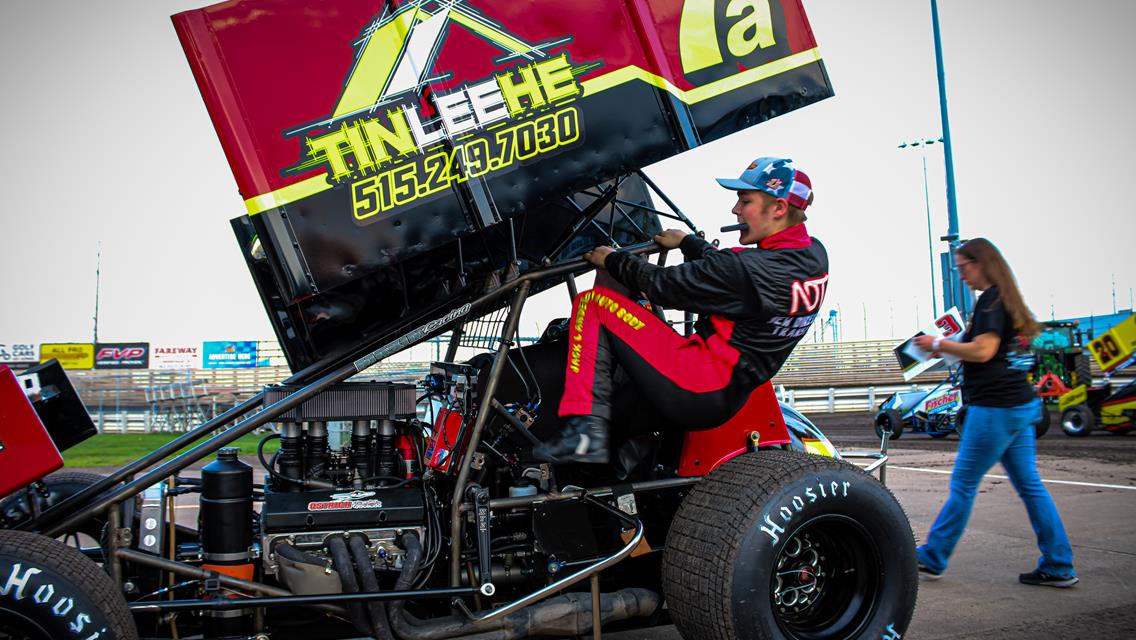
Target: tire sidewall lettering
{"type": "Point", "coordinates": [779, 517]}
{"type": "Point", "coordinates": [34, 591]}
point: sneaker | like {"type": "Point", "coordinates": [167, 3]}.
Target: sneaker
{"type": "Point", "coordinates": [1039, 578]}
{"type": "Point", "coordinates": [925, 573]}
{"type": "Point", "coordinates": [584, 439]}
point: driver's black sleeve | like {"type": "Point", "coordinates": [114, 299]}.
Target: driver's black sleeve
{"type": "Point", "coordinates": [711, 281]}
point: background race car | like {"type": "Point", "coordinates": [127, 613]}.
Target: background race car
{"type": "Point", "coordinates": [1087, 406]}
{"type": "Point", "coordinates": [933, 412]}
{"type": "Point", "coordinates": [938, 412]}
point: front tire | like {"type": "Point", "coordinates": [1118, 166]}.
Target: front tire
{"type": "Point", "coordinates": [1078, 421]}
{"type": "Point", "coordinates": [52, 592]}
{"type": "Point", "coordinates": [57, 487]}
{"type": "Point", "coordinates": [891, 421]}
{"type": "Point", "coordinates": [780, 545]}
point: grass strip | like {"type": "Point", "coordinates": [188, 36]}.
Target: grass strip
{"type": "Point", "coordinates": [116, 449]}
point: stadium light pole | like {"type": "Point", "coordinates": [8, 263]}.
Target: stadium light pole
{"type": "Point", "coordinates": [922, 144]}
{"type": "Point", "coordinates": [98, 269]}
{"type": "Point", "coordinates": [958, 293]}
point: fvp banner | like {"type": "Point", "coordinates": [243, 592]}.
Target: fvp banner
{"type": "Point", "coordinates": [122, 355]}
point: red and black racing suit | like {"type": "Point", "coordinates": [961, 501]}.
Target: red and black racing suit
{"type": "Point", "coordinates": [756, 304]}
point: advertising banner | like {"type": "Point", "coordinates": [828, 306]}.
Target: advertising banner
{"type": "Point", "coordinates": [122, 355]}
{"type": "Point", "coordinates": [19, 353]}
{"type": "Point", "coordinates": [175, 357]}
{"type": "Point", "coordinates": [72, 355]}
{"type": "Point", "coordinates": [229, 355]}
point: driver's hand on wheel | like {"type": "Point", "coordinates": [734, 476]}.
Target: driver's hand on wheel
{"type": "Point", "coordinates": [670, 239]}
{"type": "Point", "coordinates": [596, 256]}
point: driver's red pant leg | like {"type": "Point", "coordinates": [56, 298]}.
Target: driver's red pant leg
{"type": "Point", "coordinates": [691, 365]}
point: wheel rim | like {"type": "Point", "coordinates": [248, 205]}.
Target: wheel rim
{"type": "Point", "coordinates": [14, 626]}
{"type": "Point", "coordinates": [1073, 422]}
{"type": "Point", "coordinates": [826, 579]}
{"type": "Point", "coordinates": [883, 425]}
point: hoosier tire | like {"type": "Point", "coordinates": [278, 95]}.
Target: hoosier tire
{"type": "Point", "coordinates": [49, 591]}
{"type": "Point", "coordinates": [779, 545]}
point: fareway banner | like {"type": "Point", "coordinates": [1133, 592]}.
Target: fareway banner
{"type": "Point", "coordinates": [168, 357]}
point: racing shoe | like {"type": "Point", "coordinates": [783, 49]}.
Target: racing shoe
{"type": "Point", "coordinates": [1039, 578]}
{"type": "Point", "coordinates": [584, 439]}
{"type": "Point", "coordinates": [927, 573]}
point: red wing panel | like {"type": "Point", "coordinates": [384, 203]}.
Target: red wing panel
{"type": "Point", "coordinates": [268, 68]}
{"type": "Point", "coordinates": [26, 451]}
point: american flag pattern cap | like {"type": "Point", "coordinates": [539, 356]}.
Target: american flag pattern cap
{"type": "Point", "coordinates": [775, 176]}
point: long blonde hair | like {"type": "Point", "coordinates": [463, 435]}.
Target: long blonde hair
{"type": "Point", "coordinates": [998, 273]}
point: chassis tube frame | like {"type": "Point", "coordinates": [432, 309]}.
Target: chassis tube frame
{"type": "Point", "coordinates": [54, 513]}
{"type": "Point", "coordinates": [511, 324]}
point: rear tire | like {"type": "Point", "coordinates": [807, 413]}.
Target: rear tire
{"type": "Point", "coordinates": [960, 420]}
{"type": "Point", "coordinates": [54, 593]}
{"type": "Point", "coordinates": [780, 545]}
{"type": "Point", "coordinates": [889, 420]}
{"type": "Point", "coordinates": [1082, 371]}
{"type": "Point", "coordinates": [1078, 421]}
{"type": "Point", "coordinates": [1043, 422]}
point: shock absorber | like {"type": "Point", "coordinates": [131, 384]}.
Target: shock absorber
{"type": "Point", "coordinates": [226, 532]}
{"type": "Point", "coordinates": [316, 447]}
{"type": "Point", "coordinates": [361, 451]}
{"type": "Point", "coordinates": [291, 460]}
{"type": "Point", "coordinates": [386, 454]}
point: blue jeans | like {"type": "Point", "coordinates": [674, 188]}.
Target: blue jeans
{"type": "Point", "coordinates": [991, 434]}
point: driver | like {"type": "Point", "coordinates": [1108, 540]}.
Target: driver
{"type": "Point", "coordinates": [756, 304]}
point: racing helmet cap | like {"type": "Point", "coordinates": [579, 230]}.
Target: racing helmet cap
{"type": "Point", "coordinates": [775, 176]}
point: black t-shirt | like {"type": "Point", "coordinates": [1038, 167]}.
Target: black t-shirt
{"type": "Point", "coordinates": [1000, 381]}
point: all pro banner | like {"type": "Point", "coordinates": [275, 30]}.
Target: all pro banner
{"type": "Point", "coordinates": [72, 355]}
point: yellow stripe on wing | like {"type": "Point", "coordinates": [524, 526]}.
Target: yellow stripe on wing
{"type": "Point", "coordinates": [319, 183]}
{"type": "Point", "coordinates": [286, 195]}
{"type": "Point", "coordinates": [707, 91]}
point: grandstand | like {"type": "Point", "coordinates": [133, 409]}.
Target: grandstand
{"type": "Point", "coordinates": [841, 376]}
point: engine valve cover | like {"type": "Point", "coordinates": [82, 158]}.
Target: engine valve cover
{"type": "Point", "coordinates": [341, 509]}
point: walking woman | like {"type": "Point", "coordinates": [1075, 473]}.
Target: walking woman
{"type": "Point", "coordinates": [999, 425]}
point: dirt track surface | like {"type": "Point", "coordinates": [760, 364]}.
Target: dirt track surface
{"type": "Point", "coordinates": [854, 430]}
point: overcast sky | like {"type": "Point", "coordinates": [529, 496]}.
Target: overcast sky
{"type": "Point", "coordinates": [107, 141]}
